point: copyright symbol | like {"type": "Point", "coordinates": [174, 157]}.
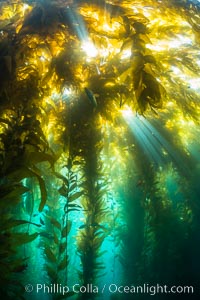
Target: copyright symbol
{"type": "Point", "coordinates": [28, 288]}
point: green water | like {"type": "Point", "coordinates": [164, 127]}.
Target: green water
{"type": "Point", "coordinates": [99, 149]}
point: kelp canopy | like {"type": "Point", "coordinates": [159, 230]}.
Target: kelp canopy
{"type": "Point", "coordinates": [99, 147]}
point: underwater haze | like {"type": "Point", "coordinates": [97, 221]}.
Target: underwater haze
{"type": "Point", "coordinates": [99, 149]}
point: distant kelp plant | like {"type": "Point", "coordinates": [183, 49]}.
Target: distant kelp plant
{"type": "Point", "coordinates": [99, 148]}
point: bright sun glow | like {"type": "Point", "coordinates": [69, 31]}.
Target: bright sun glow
{"type": "Point", "coordinates": [178, 42]}
{"type": "Point", "coordinates": [194, 83]}
{"type": "Point", "coordinates": [89, 49]}
{"type": "Point", "coordinates": [67, 91]}
{"type": "Point", "coordinates": [25, 7]}
{"type": "Point", "coordinates": [126, 54]}
{"type": "Point", "coordinates": [127, 113]}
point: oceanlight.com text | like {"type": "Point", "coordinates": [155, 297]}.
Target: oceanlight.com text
{"type": "Point", "coordinates": [108, 288]}
{"type": "Point", "coordinates": [151, 289]}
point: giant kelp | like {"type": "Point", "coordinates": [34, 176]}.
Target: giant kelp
{"type": "Point", "coordinates": [99, 116]}
{"type": "Point", "coordinates": [92, 232]}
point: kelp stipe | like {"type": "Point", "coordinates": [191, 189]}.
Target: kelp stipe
{"type": "Point", "coordinates": [57, 253]}
{"type": "Point", "coordinates": [92, 233]}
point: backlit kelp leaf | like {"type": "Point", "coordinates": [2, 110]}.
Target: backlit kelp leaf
{"type": "Point", "coordinates": [75, 196]}
{"type": "Point", "coordinates": [5, 121]}
{"type": "Point", "coordinates": [60, 176]}
{"type": "Point", "coordinates": [51, 272]}
{"type": "Point", "coordinates": [50, 255]}
{"type": "Point", "coordinates": [72, 187]}
{"type": "Point", "coordinates": [152, 85]}
{"type": "Point", "coordinates": [150, 59]}
{"type": "Point", "coordinates": [36, 172]}
{"type": "Point", "coordinates": [43, 193]}
{"type": "Point", "coordinates": [73, 177]}
{"type": "Point", "coordinates": [46, 235]}
{"type": "Point", "coordinates": [63, 191]}
{"type": "Point", "coordinates": [66, 229]}
{"type": "Point", "coordinates": [73, 205]}
{"type": "Point", "coordinates": [20, 268]}
{"type": "Point", "coordinates": [98, 241]}
{"type": "Point", "coordinates": [140, 28]}
{"type": "Point", "coordinates": [124, 76]}
{"type": "Point", "coordinates": [5, 23]}
{"type": "Point", "coordinates": [55, 223]}
{"type": "Point", "coordinates": [102, 253]}
{"type": "Point", "coordinates": [23, 238]}
{"type": "Point", "coordinates": [99, 232]}
{"type": "Point", "coordinates": [62, 247]}
{"type": "Point", "coordinates": [20, 173]}
{"type": "Point", "coordinates": [72, 209]}
{"type": "Point", "coordinates": [25, 172]}
{"type": "Point", "coordinates": [55, 238]}
{"type": "Point", "coordinates": [76, 163]}
{"type": "Point", "coordinates": [12, 223]}
{"type": "Point", "coordinates": [72, 181]}
{"type": "Point", "coordinates": [137, 82]}
{"type": "Point", "coordinates": [13, 197]}
{"type": "Point", "coordinates": [12, 191]}
{"type": "Point", "coordinates": [42, 221]}
{"type": "Point", "coordinates": [82, 226]}
{"type": "Point", "coordinates": [99, 265]}
{"type": "Point", "coordinates": [38, 157]}
{"type": "Point", "coordinates": [35, 140]}
{"type": "Point", "coordinates": [137, 63]}
{"type": "Point", "coordinates": [63, 264]}
{"type": "Point", "coordinates": [143, 101]}
{"type": "Point", "coordinates": [101, 193]}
